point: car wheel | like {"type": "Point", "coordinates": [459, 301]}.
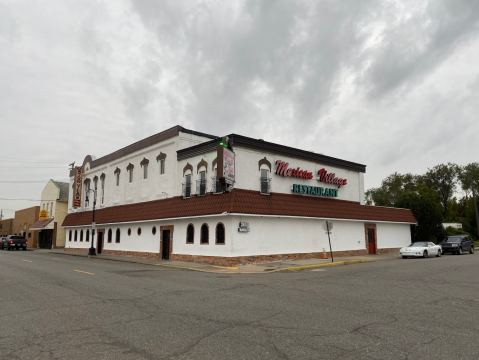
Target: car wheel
{"type": "Point", "coordinates": [438, 253]}
{"type": "Point", "coordinates": [24, 249]}
{"type": "Point", "coordinates": [460, 251]}
{"type": "Point", "coordinates": [424, 254]}
{"type": "Point", "coordinates": [471, 250]}
{"type": "Point", "coordinates": [17, 249]}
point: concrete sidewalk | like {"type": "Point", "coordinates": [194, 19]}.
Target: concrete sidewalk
{"type": "Point", "coordinates": [285, 265]}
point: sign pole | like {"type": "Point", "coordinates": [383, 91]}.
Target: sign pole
{"type": "Point", "coordinates": [330, 249]}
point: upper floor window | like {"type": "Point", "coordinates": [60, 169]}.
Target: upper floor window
{"type": "Point", "coordinates": [51, 209]}
{"type": "Point", "coordinates": [130, 175]}
{"type": "Point", "coordinates": [187, 186]}
{"type": "Point", "coordinates": [117, 179]}
{"type": "Point", "coordinates": [145, 171]}
{"type": "Point", "coordinates": [102, 190]}
{"type": "Point", "coordinates": [95, 184]}
{"type": "Point", "coordinates": [162, 166]}
{"type": "Point", "coordinates": [87, 197]}
{"type": "Point", "coordinates": [265, 182]}
{"type": "Point", "coordinates": [201, 184]}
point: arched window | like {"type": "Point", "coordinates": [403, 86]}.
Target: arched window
{"type": "Point", "coordinates": [204, 234]}
{"type": "Point", "coordinates": [220, 234]}
{"type": "Point", "coordinates": [81, 235]}
{"type": "Point", "coordinates": [139, 231]}
{"type": "Point", "coordinates": [70, 236]}
{"type": "Point", "coordinates": [109, 235]}
{"type": "Point", "coordinates": [76, 236]}
{"type": "Point", "coordinates": [87, 236]}
{"type": "Point", "coordinates": [117, 237]}
{"type": "Point", "coordinates": [153, 230]}
{"type": "Point", "coordinates": [190, 234]}
{"type": "Point", "coordinates": [129, 231]}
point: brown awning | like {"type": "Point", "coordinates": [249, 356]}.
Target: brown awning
{"type": "Point", "coordinates": [242, 202]}
{"type": "Point", "coordinates": [40, 224]}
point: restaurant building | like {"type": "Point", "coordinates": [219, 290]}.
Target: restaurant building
{"type": "Point", "coordinates": [190, 196]}
{"type": "Point", "coordinates": [21, 225]}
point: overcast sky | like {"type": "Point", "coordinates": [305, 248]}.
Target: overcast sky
{"type": "Point", "coordinates": [393, 85]}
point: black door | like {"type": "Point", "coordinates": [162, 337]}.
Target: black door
{"type": "Point", "coordinates": [165, 251]}
{"type": "Point", "coordinates": [100, 242]}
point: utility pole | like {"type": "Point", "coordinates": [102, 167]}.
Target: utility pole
{"type": "Point", "coordinates": [475, 205]}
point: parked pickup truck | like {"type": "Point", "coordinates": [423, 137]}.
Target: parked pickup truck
{"type": "Point", "coordinates": [13, 242]}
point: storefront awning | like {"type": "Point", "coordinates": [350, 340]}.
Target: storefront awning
{"type": "Point", "coordinates": [42, 225]}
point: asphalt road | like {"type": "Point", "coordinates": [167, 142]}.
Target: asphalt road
{"type": "Point", "coordinates": [398, 309]}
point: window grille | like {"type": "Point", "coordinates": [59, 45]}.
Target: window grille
{"type": "Point", "coordinates": [265, 182]}
{"type": "Point", "coordinates": [186, 187]}
{"type": "Point", "coordinates": [216, 187]}
{"type": "Point", "coordinates": [201, 185]}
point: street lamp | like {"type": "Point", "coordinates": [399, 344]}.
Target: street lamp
{"type": "Point", "coordinates": [91, 251]}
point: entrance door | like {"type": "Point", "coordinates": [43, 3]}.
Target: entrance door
{"type": "Point", "coordinates": [99, 246]}
{"type": "Point", "coordinates": [371, 241]}
{"type": "Point", "coordinates": [165, 251]}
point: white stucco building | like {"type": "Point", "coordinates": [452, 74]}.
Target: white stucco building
{"type": "Point", "coordinates": [165, 190]}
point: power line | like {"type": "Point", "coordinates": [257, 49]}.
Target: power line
{"type": "Point", "coordinates": [28, 182]}
{"type": "Point", "coordinates": [37, 160]}
{"type": "Point", "coordinates": [36, 167]}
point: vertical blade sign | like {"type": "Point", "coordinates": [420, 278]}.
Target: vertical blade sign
{"type": "Point", "coordinates": [78, 186]}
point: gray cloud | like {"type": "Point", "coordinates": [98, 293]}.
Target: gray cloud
{"type": "Point", "coordinates": [384, 83]}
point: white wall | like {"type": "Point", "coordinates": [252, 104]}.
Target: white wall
{"type": "Point", "coordinates": [391, 235]}
{"type": "Point", "coordinates": [248, 175]}
{"type": "Point", "coordinates": [156, 186]}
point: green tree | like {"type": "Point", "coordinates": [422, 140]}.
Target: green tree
{"type": "Point", "coordinates": [426, 207]}
{"type": "Point", "coordinates": [469, 179]}
{"type": "Point", "coordinates": [394, 186]}
{"type": "Point", "coordinates": [443, 179]}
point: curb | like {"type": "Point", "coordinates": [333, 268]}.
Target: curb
{"type": "Point", "coordinates": [324, 265]}
{"type": "Point", "coordinates": [228, 270]}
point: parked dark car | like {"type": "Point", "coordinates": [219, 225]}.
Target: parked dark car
{"type": "Point", "coordinates": [457, 244]}
{"type": "Point", "coordinates": [13, 242]}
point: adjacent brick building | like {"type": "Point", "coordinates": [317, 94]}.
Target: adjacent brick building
{"type": "Point", "coordinates": [6, 227]}
{"type": "Point", "coordinates": [23, 219]}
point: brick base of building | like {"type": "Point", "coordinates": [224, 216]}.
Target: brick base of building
{"type": "Point", "coordinates": [236, 260]}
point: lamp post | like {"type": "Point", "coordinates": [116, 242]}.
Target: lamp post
{"type": "Point", "coordinates": [475, 205]}
{"type": "Point", "coordinates": [91, 251]}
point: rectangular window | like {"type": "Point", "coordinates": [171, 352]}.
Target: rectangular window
{"type": "Point", "coordinates": [51, 209]}
{"type": "Point", "coordinates": [188, 186]}
{"type": "Point", "coordinates": [265, 182]}
{"type": "Point", "coordinates": [95, 185]}
{"type": "Point", "coordinates": [29, 235]}
{"type": "Point", "coordinates": [130, 175]}
{"type": "Point", "coordinates": [145, 171]}
{"type": "Point", "coordinates": [102, 190]}
{"type": "Point", "coordinates": [162, 167]}
{"type": "Point", "coordinates": [117, 179]}
{"type": "Point", "coordinates": [87, 194]}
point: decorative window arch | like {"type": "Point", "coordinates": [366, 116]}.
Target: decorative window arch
{"type": "Point", "coordinates": [220, 234]}
{"type": "Point", "coordinates": [117, 235]}
{"type": "Point", "coordinates": [204, 234]}
{"type": "Point", "coordinates": [110, 235]}
{"type": "Point", "coordinates": [190, 234]}
{"type": "Point", "coordinates": [187, 167]}
{"type": "Point", "coordinates": [200, 164]}
{"type": "Point", "coordinates": [264, 162]}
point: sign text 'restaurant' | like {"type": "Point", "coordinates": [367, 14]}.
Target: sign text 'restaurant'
{"type": "Point", "coordinates": [314, 190]}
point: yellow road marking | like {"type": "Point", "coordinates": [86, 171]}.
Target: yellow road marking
{"type": "Point", "coordinates": [84, 272]}
{"type": "Point", "coordinates": [27, 260]}
{"type": "Point", "coordinates": [226, 267]}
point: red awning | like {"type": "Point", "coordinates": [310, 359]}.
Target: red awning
{"type": "Point", "coordinates": [241, 201]}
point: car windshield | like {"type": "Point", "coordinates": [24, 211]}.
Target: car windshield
{"type": "Point", "coordinates": [452, 239]}
{"type": "Point", "coordinates": [418, 244]}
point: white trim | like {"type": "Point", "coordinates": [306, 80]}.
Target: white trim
{"type": "Point", "coordinates": [241, 214]}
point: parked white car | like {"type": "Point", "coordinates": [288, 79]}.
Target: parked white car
{"type": "Point", "coordinates": [421, 249]}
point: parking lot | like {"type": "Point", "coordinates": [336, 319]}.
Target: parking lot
{"type": "Point", "coordinates": [57, 306]}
